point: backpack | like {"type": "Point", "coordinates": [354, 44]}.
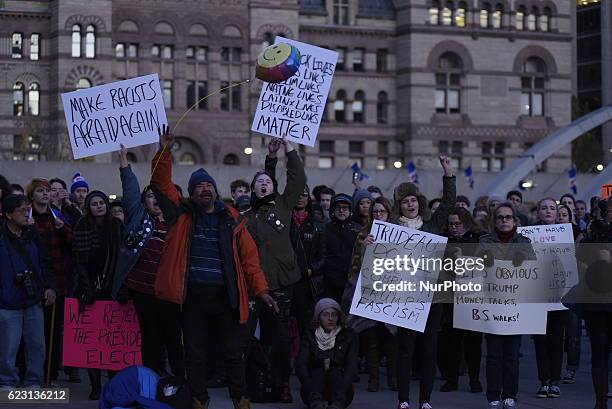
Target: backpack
{"type": "Point", "coordinates": [259, 373]}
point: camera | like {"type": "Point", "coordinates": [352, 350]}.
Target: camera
{"type": "Point", "coordinates": [27, 280]}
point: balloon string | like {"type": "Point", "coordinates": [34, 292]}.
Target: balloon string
{"type": "Point", "coordinates": [190, 108]}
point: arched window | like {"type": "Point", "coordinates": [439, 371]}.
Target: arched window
{"type": "Point", "coordinates": [90, 42]}
{"type": "Point", "coordinates": [83, 83]}
{"type": "Point", "coordinates": [460, 13]}
{"type": "Point", "coordinates": [533, 87]}
{"type": "Point", "coordinates": [359, 107]}
{"type": "Point", "coordinates": [76, 41]}
{"type": "Point", "coordinates": [382, 108]}
{"type": "Point", "coordinates": [231, 159]}
{"type": "Point", "coordinates": [268, 39]}
{"type": "Point", "coordinates": [532, 19]}
{"type": "Point", "coordinates": [447, 14]}
{"type": "Point", "coordinates": [521, 15]}
{"type": "Point", "coordinates": [498, 16]}
{"type": "Point", "coordinates": [187, 159]}
{"type": "Point", "coordinates": [485, 15]}
{"type": "Point", "coordinates": [340, 106]}
{"type": "Point", "coordinates": [434, 13]}
{"type": "Point", "coordinates": [448, 84]}
{"type": "Point", "coordinates": [545, 19]}
{"type": "Point", "coordinates": [18, 99]}
{"type": "Point", "coordinates": [34, 99]}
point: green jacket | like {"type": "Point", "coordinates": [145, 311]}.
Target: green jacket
{"type": "Point", "coordinates": [270, 226]}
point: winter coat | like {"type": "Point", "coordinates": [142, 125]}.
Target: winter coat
{"type": "Point", "coordinates": [338, 241]}
{"type": "Point", "coordinates": [241, 268]}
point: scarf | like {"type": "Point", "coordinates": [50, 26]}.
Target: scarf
{"type": "Point", "coordinates": [257, 202]}
{"type": "Point", "coordinates": [505, 236]}
{"type": "Point", "coordinates": [326, 340]}
{"type": "Point", "coordinates": [415, 223]}
{"type": "Point", "coordinates": [299, 216]}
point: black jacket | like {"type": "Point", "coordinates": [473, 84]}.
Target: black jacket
{"type": "Point", "coordinates": [306, 241]}
{"type": "Point", "coordinates": [337, 244]}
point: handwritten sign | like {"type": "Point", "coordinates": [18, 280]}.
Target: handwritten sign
{"type": "Point", "coordinates": [294, 108]}
{"type": "Point", "coordinates": [556, 253]}
{"type": "Point", "coordinates": [606, 191]}
{"type": "Point", "coordinates": [395, 296]}
{"type": "Point", "coordinates": [104, 335]}
{"type": "Point", "coordinates": [497, 309]}
{"type": "Point", "coordinates": [100, 119]}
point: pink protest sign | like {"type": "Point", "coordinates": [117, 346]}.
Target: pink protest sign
{"type": "Point", "coordinates": [104, 335]}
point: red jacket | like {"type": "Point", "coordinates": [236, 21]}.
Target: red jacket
{"type": "Point", "coordinates": [170, 283]}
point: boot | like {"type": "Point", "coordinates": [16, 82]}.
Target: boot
{"type": "Point", "coordinates": [196, 404]}
{"type": "Point", "coordinates": [244, 403]}
{"type": "Point", "coordinates": [95, 380]}
{"type": "Point", "coordinates": [372, 362]}
{"type": "Point", "coordinates": [600, 384]}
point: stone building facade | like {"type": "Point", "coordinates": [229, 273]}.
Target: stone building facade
{"type": "Point", "coordinates": [478, 80]}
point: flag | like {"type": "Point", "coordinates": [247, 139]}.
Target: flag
{"type": "Point", "coordinates": [571, 175]}
{"type": "Point", "coordinates": [356, 169]}
{"type": "Point", "coordinates": [467, 172]}
{"type": "Point", "coordinates": [412, 173]}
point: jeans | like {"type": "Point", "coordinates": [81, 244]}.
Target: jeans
{"type": "Point", "coordinates": [160, 329]}
{"type": "Point", "coordinates": [328, 386]}
{"type": "Point", "coordinates": [502, 366]}
{"type": "Point", "coordinates": [208, 317]}
{"type": "Point", "coordinates": [29, 324]}
{"type": "Point", "coordinates": [459, 343]}
{"type": "Point", "coordinates": [58, 328]}
{"type": "Point", "coordinates": [573, 333]}
{"type": "Point", "coordinates": [549, 348]}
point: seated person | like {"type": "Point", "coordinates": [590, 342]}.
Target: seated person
{"type": "Point", "coordinates": [327, 363]}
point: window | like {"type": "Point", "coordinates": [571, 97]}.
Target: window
{"type": "Point", "coordinates": [339, 106]}
{"type": "Point", "coordinates": [326, 146]}
{"type": "Point", "coordinates": [355, 147]}
{"type": "Point", "coordinates": [383, 151]}
{"type": "Point", "coordinates": [448, 84]}
{"type": "Point", "coordinates": [382, 55]}
{"type": "Point", "coordinates": [447, 14]}
{"type": "Point", "coordinates": [358, 56]}
{"type": "Point", "coordinates": [34, 99]}
{"type": "Point", "coordinates": [382, 108]}
{"type": "Point", "coordinates": [532, 19]}
{"type": "Point", "coordinates": [17, 45]}
{"type": "Point", "coordinates": [167, 52]}
{"type": "Point", "coordinates": [155, 51]}
{"type": "Point", "coordinates": [90, 42]}
{"type": "Point", "coordinates": [326, 162]}
{"type": "Point", "coordinates": [83, 83]}
{"type": "Point", "coordinates": [460, 13]}
{"type": "Point", "coordinates": [533, 86]}
{"type": "Point", "coordinates": [492, 156]}
{"type": "Point", "coordinates": [197, 53]}
{"type": "Point", "coordinates": [76, 41]}
{"type": "Point", "coordinates": [545, 20]}
{"type": "Point", "coordinates": [167, 91]}
{"type": "Point", "coordinates": [456, 154]}
{"type": "Point", "coordinates": [35, 47]}
{"type": "Point", "coordinates": [341, 12]}
{"type": "Point", "coordinates": [498, 16]}
{"type": "Point", "coordinates": [231, 54]}
{"type": "Point", "coordinates": [341, 58]}
{"type": "Point", "coordinates": [434, 13]}
{"type": "Point", "coordinates": [520, 18]}
{"type": "Point", "coordinates": [120, 50]}
{"type": "Point", "coordinates": [231, 97]}
{"type": "Point", "coordinates": [485, 12]}
{"type": "Point", "coordinates": [443, 147]}
{"type": "Point", "coordinates": [132, 50]}
{"type": "Point", "coordinates": [26, 147]}
{"type": "Point", "coordinates": [500, 148]}
{"type": "Point", "coordinates": [18, 99]}
{"type": "Point", "coordinates": [359, 107]}
{"type": "Point", "coordinates": [231, 159]}
{"type": "Point", "coordinates": [196, 90]}
{"type": "Point", "coordinates": [381, 163]}
{"type": "Point", "coordinates": [187, 159]}
{"type": "Point", "coordinates": [236, 97]}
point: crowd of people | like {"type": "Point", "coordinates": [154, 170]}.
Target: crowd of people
{"type": "Point", "coordinates": [206, 274]}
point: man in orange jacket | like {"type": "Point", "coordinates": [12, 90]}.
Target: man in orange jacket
{"type": "Point", "coordinates": [210, 265]}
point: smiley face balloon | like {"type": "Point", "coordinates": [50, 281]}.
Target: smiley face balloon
{"type": "Point", "coordinates": [277, 63]}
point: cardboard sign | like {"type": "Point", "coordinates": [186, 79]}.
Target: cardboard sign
{"type": "Point", "coordinates": [401, 307]}
{"type": "Point", "coordinates": [497, 308]}
{"type": "Point", "coordinates": [104, 335]}
{"type": "Point", "coordinates": [294, 108]}
{"type": "Point", "coordinates": [556, 253]}
{"type": "Point", "coordinates": [606, 191]}
{"type": "Point", "coordinates": [100, 119]}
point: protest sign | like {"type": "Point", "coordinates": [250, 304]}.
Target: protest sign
{"type": "Point", "coordinates": [497, 308]}
{"type": "Point", "coordinates": [104, 335]}
{"type": "Point", "coordinates": [294, 108]}
{"type": "Point", "coordinates": [395, 296]}
{"type": "Point", "coordinates": [556, 254]}
{"type": "Point", "coordinates": [100, 119]}
{"type": "Point", "coordinates": [606, 191]}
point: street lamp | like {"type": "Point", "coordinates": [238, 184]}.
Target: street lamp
{"type": "Point", "coordinates": [397, 164]}
{"type": "Point", "coordinates": [248, 150]}
{"type": "Point", "coordinates": [599, 167]}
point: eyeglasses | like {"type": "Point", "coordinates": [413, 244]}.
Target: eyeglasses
{"type": "Point", "coordinates": [454, 224]}
{"type": "Point", "coordinates": [506, 217]}
{"type": "Point", "coordinates": [342, 209]}
{"type": "Point", "coordinates": [380, 211]}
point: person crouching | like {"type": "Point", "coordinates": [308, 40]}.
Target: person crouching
{"type": "Point", "coordinates": [327, 363]}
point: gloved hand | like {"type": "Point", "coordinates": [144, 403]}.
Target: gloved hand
{"type": "Point", "coordinates": [517, 258]}
{"type": "Point", "coordinates": [487, 258]}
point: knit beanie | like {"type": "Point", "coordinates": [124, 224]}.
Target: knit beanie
{"type": "Point", "coordinates": [325, 303]}
{"type": "Point", "coordinates": [198, 177]}
{"type": "Point", "coordinates": [96, 193]}
{"type": "Point", "coordinates": [36, 183]}
{"type": "Point", "coordinates": [340, 198]}
{"type": "Point", "coordinates": [77, 182]}
{"type": "Point", "coordinates": [358, 196]}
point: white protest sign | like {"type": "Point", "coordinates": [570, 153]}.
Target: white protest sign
{"type": "Point", "coordinates": [395, 295]}
{"type": "Point", "coordinates": [293, 108]}
{"type": "Point", "coordinates": [556, 253]}
{"type": "Point", "coordinates": [100, 119]}
{"type": "Point", "coordinates": [497, 309]}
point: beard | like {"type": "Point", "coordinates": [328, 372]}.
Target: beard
{"type": "Point", "coordinates": [204, 199]}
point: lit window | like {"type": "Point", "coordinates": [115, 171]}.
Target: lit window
{"type": "Point", "coordinates": [76, 41]}
{"type": "Point", "coordinates": [484, 16]}
{"type": "Point", "coordinates": [132, 50]}
{"type": "Point", "coordinates": [90, 42]}
{"type": "Point", "coordinates": [359, 107]}
{"type": "Point", "coordinates": [532, 20]}
{"type": "Point", "coordinates": [83, 83]}
{"type": "Point", "coordinates": [339, 106]}
{"type": "Point", "coordinates": [533, 87]}
{"type": "Point", "coordinates": [326, 162]}
{"type": "Point", "coordinates": [167, 52]}
{"type": "Point", "coordinates": [498, 17]}
{"type": "Point", "coordinates": [167, 91]}
{"type": "Point", "coordinates": [434, 13]}
{"type": "Point", "coordinates": [18, 99]}
{"type": "Point", "coordinates": [120, 50]}
{"type": "Point", "coordinates": [35, 47]}
{"type": "Point", "coordinates": [155, 51]}
{"type": "Point", "coordinates": [358, 56]}
{"type": "Point", "coordinates": [447, 15]}
{"type": "Point", "coordinates": [381, 163]}
{"type": "Point", "coordinates": [520, 18]}
{"type": "Point", "coordinates": [460, 15]}
{"type": "Point", "coordinates": [545, 20]}
{"type": "Point", "coordinates": [200, 54]}
{"type": "Point", "coordinates": [17, 45]}
{"type": "Point", "coordinates": [34, 99]}
{"type": "Point", "coordinates": [187, 159]}
{"type": "Point", "coordinates": [341, 58]}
